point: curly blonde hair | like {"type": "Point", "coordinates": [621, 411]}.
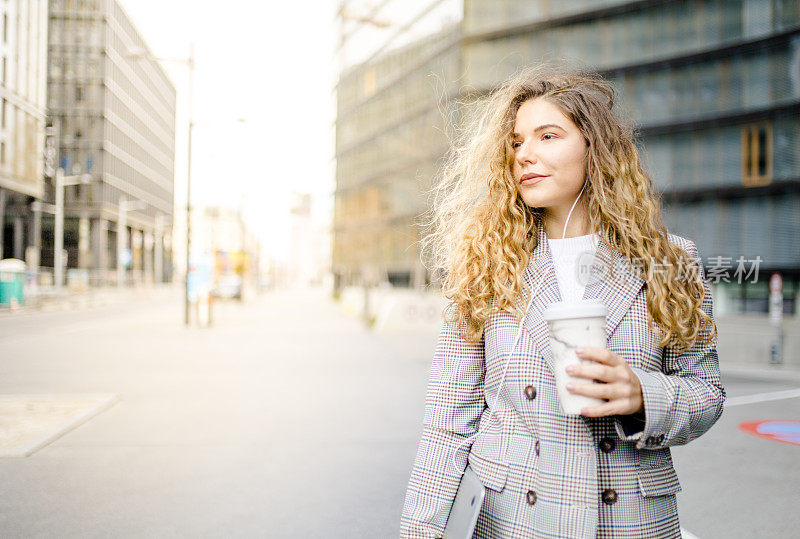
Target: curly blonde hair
{"type": "Point", "coordinates": [483, 232]}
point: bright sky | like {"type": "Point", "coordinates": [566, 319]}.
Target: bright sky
{"type": "Point", "coordinates": [270, 64]}
{"type": "Point", "coordinates": [273, 65]}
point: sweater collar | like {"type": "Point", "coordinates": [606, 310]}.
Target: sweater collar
{"type": "Point", "coordinates": [610, 279]}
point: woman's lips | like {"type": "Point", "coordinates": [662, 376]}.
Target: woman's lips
{"type": "Point", "coordinates": [531, 179]}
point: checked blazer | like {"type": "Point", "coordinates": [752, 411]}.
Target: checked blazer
{"type": "Point", "coordinates": [549, 475]}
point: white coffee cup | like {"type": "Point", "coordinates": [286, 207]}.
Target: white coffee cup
{"type": "Point", "coordinates": [571, 325]}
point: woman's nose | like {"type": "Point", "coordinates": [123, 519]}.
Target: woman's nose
{"type": "Point", "coordinates": [526, 153]}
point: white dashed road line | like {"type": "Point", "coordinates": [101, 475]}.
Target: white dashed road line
{"type": "Point", "coordinates": [763, 397]}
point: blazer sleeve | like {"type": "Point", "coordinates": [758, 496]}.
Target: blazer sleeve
{"type": "Point", "coordinates": [453, 406]}
{"type": "Point", "coordinates": [683, 400]}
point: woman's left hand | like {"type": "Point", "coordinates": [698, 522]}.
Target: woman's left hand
{"type": "Point", "coordinates": [620, 387]}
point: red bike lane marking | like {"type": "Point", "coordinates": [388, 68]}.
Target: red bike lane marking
{"type": "Point", "coordinates": [786, 431]}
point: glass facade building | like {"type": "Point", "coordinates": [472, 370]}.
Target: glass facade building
{"type": "Point", "coordinates": [713, 87]}
{"type": "Point", "coordinates": [390, 135]}
{"type": "Point", "coordinates": [23, 110]}
{"type": "Point", "coordinates": [112, 108]}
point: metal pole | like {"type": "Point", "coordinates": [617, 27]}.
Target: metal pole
{"type": "Point", "coordinates": [158, 246]}
{"type": "Point", "coordinates": [58, 263]}
{"type": "Point", "coordinates": [37, 233]}
{"type": "Point", "coordinates": [121, 233]}
{"type": "Point", "coordinates": [2, 218]}
{"type": "Point", "coordinates": [19, 242]}
{"type": "Point", "coordinates": [189, 185]}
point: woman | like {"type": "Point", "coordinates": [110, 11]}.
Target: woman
{"type": "Point", "coordinates": [547, 174]}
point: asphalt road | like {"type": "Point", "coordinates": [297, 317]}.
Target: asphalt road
{"type": "Point", "coordinates": [288, 419]}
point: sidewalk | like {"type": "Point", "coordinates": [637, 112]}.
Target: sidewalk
{"type": "Point", "coordinates": [48, 300]}
{"type": "Point", "coordinates": [744, 340]}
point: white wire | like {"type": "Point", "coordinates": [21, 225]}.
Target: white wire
{"type": "Point", "coordinates": [502, 378]}
{"type": "Point", "coordinates": [564, 232]}
{"type": "Point", "coordinates": [516, 341]}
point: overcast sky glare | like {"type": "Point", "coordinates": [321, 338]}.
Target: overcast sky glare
{"type": "Point", "coordinates": [270, 64]}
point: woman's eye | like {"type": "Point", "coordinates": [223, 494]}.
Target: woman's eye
{"type": "Point", "coordinates": [516, 144]}
{"type": "Point", "coordinates": [548, 136]}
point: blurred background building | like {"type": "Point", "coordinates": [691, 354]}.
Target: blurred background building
{"type": "Point", "coordinates": [712, 85]}
{"type": "Point", "coordinates": [390, 135]}
{"type": "Point", "coordinates": [81, 91]}
{"type": "Point", "coordinates": [309, 247]}
{"type": "Point", "coordinates": [23, 111]}
{"type": "Point", "coordinates": [112, 107]}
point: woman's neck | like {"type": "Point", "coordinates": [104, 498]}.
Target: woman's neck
{"type": "Point", "coordinates": [578, 224]}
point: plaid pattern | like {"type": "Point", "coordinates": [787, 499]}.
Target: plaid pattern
{"type": "Point", "coordinates": [528, 446]}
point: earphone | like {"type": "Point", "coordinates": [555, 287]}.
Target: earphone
{"type": "Point", "coordinates": [564, 232]}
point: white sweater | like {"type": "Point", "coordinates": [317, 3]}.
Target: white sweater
{"type": "Point", "coordinates": [566, 254]}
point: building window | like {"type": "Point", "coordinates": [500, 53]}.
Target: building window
{"type": "Point", "coordinates": [756, 154]}
{"type": "Point", "coordinates": [2, 153]}
{"type": "Point", "coordinates": [2, 113]}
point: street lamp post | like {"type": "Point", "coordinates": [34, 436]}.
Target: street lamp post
{"type": "Point", "coordinates": [62, 181]}
{"type": "Point", "coordinates": [57, 210]}
{"type": "Point", "coordinates": [186, 308]}
{"type": "Point", "coordinates": [189, 62]}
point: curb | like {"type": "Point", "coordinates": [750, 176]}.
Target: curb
{"type": "Point", "coordinates": [38, 441]}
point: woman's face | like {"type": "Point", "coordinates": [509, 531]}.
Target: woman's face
{"type": "Point", "coordinates": [549, 157]}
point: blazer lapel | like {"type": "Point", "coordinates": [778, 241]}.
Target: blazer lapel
{"type": "Point", "coordinates": [616, 291]}
{"type": "Point", "coordinates": [540, 277]}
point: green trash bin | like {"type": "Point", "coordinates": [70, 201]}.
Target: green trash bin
{"type": "Point", "coordinates": [12, 281]}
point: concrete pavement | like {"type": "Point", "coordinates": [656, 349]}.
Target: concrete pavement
{"type": "Point", "coordinates": [286, 419]}
{"type": "Point", "coordinates": [289, 419]}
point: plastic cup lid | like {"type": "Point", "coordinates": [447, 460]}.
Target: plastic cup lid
{"type": "Point", "coordinates": [561, 310]}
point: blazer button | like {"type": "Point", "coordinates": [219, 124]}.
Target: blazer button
{"type": "Point", "coordinates": [531, 497]}
{"type": "Point", "coordinates": [609, 496]}
{"type": "Point", "coordinates": [530, 392]}
{"type": "Point", "coordinates": [607, 445]}
{"type": "Point", "coordinates": [536, 447]}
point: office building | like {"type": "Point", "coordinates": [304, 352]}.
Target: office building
{"type": "Point", "coordinates": [390, 135]}
{"type": "Point", "coordinates": [112, 107]}
{"type": "Point", "coordinates": [23, 86]}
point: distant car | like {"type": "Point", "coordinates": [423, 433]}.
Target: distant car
{"type": "Point", "coordinates": [229, 287]}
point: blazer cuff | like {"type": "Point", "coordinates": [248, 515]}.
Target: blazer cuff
{"type": "Point", "coordinates": [647, 429]}
{"type": "Point", "coordinates": [631, 427]}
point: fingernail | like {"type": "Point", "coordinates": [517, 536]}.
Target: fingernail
{"type": "Point", "coordinates": [579, 350]}
{"type": "Point", "coordinates": [570, 387]}
{"type": "Point", "coordinates": [570, 369]}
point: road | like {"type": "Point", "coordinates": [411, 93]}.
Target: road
{"type": "Point", "coordinates": [288, 419]}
